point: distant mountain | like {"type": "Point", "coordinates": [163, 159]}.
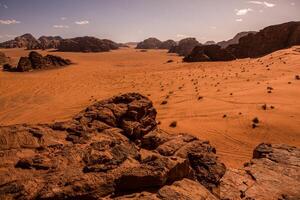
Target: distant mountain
{"type": "Point", "coordinates": [86, 44]}
{"type": "Point", "coordinates": [23, 41]}
{"type": "Point", "coordinates": [30, 42]}
{"type": "Point", "coordinates": [235, 39]}
{"type": "Point", "coordinates": [209, 43]}
{"type": "Point", "coordinates": [154, 43]}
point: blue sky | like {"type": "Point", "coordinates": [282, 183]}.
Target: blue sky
{"type": "Point", "coordinates": [135, 20]}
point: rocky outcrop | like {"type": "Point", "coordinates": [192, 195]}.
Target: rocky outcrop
{"type": "Point", "coordinates": [23, 41]}
{"type": "Point", "coordinates": [86, 44]}
{"type": "Point", "coordinates": [150, 43]}
{"type": "Point", "coordinates": [209, 53]}
{"type": "Point", "coordinates": [267, 40]}
{"type": "Point", "coordinates": [105, 151]}
{"type": "Point", "coordinates": [273, 173]}
{"type": "Point", "coordinates": [114, 149]}
{"type": "Point", "coordinates": [168, 44]}
{"type": "Point", "coordinates": [36, 61]}
{"type": "Point", "coordinates": [235, 39]}
{"type": "Point", "coordinates": [49, 42]}
{"type": "Point", "coordinates": [252, 45]}
{"type": "Point", "coordinates": [185, 46]}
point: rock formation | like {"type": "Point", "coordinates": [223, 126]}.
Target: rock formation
{"type": "Point", "coordinates": [49, 42]}
{"type": "Point", "coordinates": [36, 61]}
{"type": "Point", "coordinates": [266, 41]}
{"type": "Point", "coordinates": [209, 53]}
{"type": "Point", "coordinates": [150, 43]}
{"type": "Point", "coordinates": [185, 46]}
{"type": "Point", "coordinates": [111, 148]}
{"type": "Point", "coordinates": [86, 44]}
{"type": "Point", "coordinates": [23, 41]}
{"type": "Point", "coordinates": [235, 39]}
{"type": "Point", "coordinates": [168, 44]}
{"type": "Point", "coordinates": [273, 173]}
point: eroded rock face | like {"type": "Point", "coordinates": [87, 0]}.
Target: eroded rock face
{"type": "Point", "coordinates": [273, 173]}
{"type": "Point", "coordinates": [103, 152]}
{"type": "Point", "coordinates": [209, 53]}
{"type": "Point", "coordinates": [185, 46]}
{"type": "Point", "coordinates": [86, 44]}
{"type": "Point", "coordinates": [36, 61]}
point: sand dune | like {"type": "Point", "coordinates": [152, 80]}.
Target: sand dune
{"type": "Point", "coordinates": [231, 94]}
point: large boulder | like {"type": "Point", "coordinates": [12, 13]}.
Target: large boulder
{"type": "Point", "coordinates": [37, 61]}
{"type": "Point", "coordinates": [86, 44]}
{"type": "Point", "coordinates": [23, 41]}
{"type": "Point", "coordinates": [273, 173]}
{"type": "Point", "coordinates": [103, 152]}
{"type": "Point", "coordinates": [267, 40]}
{"type": "Point", "coordinates": [185, 46]}
{"type": "Point", "coordinates": [209, 53]}
{"type": "Point", "coordinates": [150, 43]}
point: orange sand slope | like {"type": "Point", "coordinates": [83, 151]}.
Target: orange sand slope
{"type": "Point", "coordinates": [237, 89]}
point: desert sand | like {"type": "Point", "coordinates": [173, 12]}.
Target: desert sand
{"type": "Point", "coordinates": [215, 101]}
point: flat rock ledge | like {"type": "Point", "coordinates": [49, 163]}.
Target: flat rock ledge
{"type": "Point", "coordinates": [114, 150]}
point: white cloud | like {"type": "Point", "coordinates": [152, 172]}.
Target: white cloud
{"type": "Point", "coordinates": [241, 12]}
{"type": "Point", "coordinates": [82, 22]}
{"type": "Point", "coordinates": [9, 21]}
{"type": "Point", "coordinates": [239, 20]}
{"type": "Point", "coordinates": [60, 26]}
{"type": "Point", "coordinates": [293, 4]}
{"type": "Point", "coordinates": [264, 3]}
{"type": "Point", "coordinates": [5, 6]}
{"type": "Point", "coordinates": [213, 27]}
{"type": "Point", "coordinates": [181, 36]}
{"type": "Point", "coordinates": [63, 18]}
